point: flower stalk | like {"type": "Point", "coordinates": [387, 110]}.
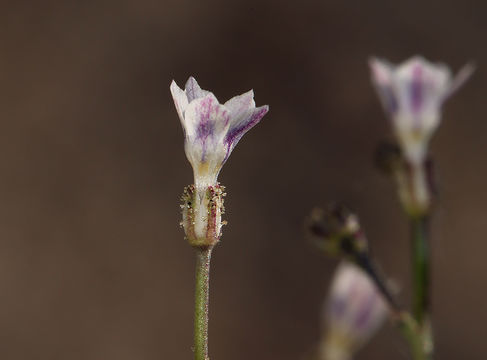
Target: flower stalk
{"type": "Point", "coordinates": [201, 305]}
{"type": "Point", "coordinates": [420, 250]}
{"type": "Point", "coordinates": [421, 281]}
{"type": "Point", "coordinates": [409, 328]}
{"type": "Point", "coordinates": [413, 94]}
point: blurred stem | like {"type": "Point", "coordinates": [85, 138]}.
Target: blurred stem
{"type": "Point", "coordinates": [421, 280]}
{"type": "Point", "coordinates": [364, 261]}
{"type": "Point", "coordinates": [203, 256]}
{"type": "Point", "coordinates": [412, 333]}
{"type": "Point", "coordinates": [407, 324]}
{"type": "Point", "coordinates": [420, 268]}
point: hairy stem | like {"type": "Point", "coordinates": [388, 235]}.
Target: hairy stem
{"type": "Point", "coordinates": [203, 256]}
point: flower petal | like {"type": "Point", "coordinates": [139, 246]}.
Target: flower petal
{"type": "Point", "coordinates": [463, 75]}
{"type": "Point", "coordinates": [193, 90]}
{"type": "Point", "coordinates": [354, 310]}
{"type": "Point", "coordinates": [240, 105]}
{"type": "Point", "coordinates": [244, 115]}
{"type": "Point", "coordinates": [180, 100]}
{"type": "Point", "coordinates": [382, 78]}
{"type": "Point", "coordinates": [245, 123]}
{"type": "Point", "coordinates": [206, 123]}
{"type": "Point", "coordinates": [420, 86]}
{"type": "Point", "coordinates": [205, 117]}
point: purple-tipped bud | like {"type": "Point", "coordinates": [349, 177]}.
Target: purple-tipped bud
{"type": "Point", "coordinates": [353, 313]}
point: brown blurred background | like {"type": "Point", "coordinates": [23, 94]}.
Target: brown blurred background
{"type": "Point", "coordinates": [93, 264]}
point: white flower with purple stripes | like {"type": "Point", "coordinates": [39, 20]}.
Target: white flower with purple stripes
{"type": "Point", "coordinates": [412, 94]}
{"type": "Point", "coordinates": [212, 129]}
{"type": "Point", "coordinates": [353, 313]}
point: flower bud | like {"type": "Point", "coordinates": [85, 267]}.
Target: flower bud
{"type": "Point", "coordinates": [352, 314]}
{"type": "Point", "coordinates": [337, 231]}
{"type": "Point", "coordinates": [202, 210]}
{"type": "Point", "coordinates": [413, 94]}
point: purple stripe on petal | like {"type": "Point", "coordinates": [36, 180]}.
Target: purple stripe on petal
{"type": "Point", "coordinates": [416, 89]}
{"type": "Point", "coordinates": [235, 134]}
{"type": "Point", "coordinates": [207, 122]}
{"type": "Point", "coordinates": [206, 129]}
{"type": "Point", "coordinates": [205, 126]}
{"type": "Point", "coordinates": [362, 319]}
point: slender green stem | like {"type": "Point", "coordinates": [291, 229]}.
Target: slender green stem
{"type": "Point", "coordinates": [420, 268]}
{"type": "Point", "coordinates": [409, 329]}
{"type": "Point", "coordinates": [421, 280]}
{"type": "Point", "coordinates": [203, 256]}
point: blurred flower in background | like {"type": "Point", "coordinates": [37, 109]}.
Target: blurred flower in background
{"type": "Point", "coordinates": [352, 314]}
{"type": "Point", "coordinates": [412, 94]}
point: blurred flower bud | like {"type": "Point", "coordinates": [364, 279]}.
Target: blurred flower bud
{"type": "Point", "coordinates": [202, 210]}
{"type": "Point", "coordinates": [336, 230]}
{"type": "Point", "coordinates": [352, 314]}
{"type": "Point", "coordinates": [412, 95]}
